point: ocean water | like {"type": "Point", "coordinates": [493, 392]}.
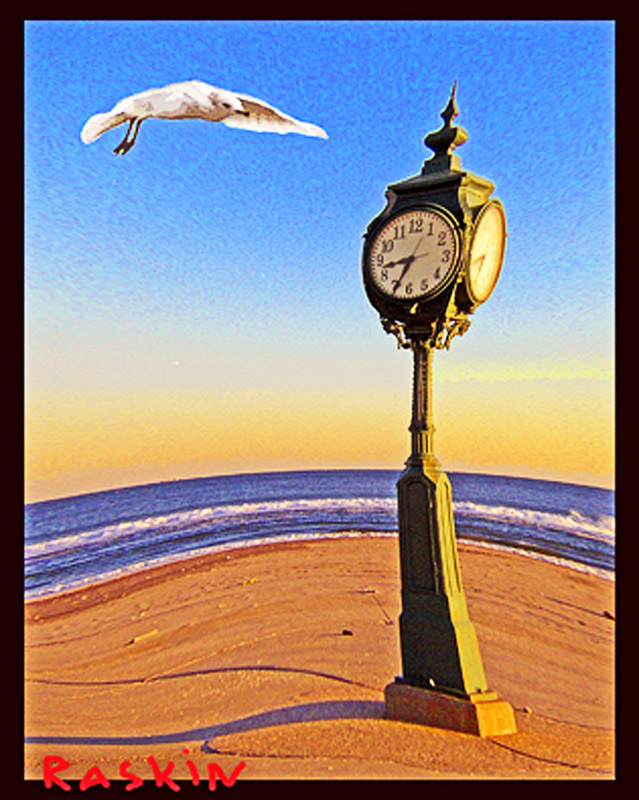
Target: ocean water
{"type": "Point", "coordinates": [89, 538]}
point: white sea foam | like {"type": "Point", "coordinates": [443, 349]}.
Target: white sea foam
{"type": "Point", "coordinates": [184, 520]}
{"type": "Point", "coordinates": [575, 522]}
{"type": "Point", "coordinates": [602, 528]}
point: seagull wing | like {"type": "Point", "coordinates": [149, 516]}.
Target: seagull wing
{"type": "Point", "coordinates": [267, 118]}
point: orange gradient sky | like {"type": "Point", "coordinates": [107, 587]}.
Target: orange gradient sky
{"type": "Point", "coordinates": [559, 429]}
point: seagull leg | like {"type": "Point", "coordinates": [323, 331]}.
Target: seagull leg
{"type": "Point", "coordinates": [126, 144]}
{"type": "Point", "coordinates": [122, 147]}
{"type": "Point", "coordinates": [135, 132]}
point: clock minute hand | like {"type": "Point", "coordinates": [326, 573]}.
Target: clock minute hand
{"type": "Point", "coordinates": [407, 264]}
{"type": "Point", "coordinates": [408, 261]}
{"type": "Point", "coordinates": [480, 262]}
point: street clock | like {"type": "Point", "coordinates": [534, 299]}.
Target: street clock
{"type": "Point", "coordinates": [430, 259]}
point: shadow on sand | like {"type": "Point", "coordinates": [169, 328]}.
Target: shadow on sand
{"type": "Point", "coordinates": [307, 712]}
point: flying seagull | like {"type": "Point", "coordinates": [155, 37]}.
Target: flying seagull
{"type": "Point", "coordinates": [189, 100]}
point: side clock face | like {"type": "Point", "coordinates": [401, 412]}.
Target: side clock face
{"type": "Point", "coordinates": [486, 254]}
{"type": "Point", "coordinates": [414, 255]}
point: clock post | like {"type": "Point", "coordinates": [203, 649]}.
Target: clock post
{"type": "Point", "coordinates": [429, 259]}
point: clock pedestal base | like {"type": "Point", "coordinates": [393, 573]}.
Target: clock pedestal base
{"type": "Point", "coordinates": [482, 714]}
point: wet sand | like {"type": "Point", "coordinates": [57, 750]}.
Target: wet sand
{"type": "Point", "coordinates": [277, 657]}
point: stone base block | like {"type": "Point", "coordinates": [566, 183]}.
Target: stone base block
{"type": "Point", "coordinates": [480, 714]}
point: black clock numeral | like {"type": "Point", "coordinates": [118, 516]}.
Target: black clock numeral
{"type": "Point", "coordinates": [441, 239]}
{"type": "Point", "coordinates": [399, 232]}
{"type": "Point", "coordinates": [409, 288]}
{"type": "Point", "coordinates": [437, 274]}
{"type": "Point", "coordinates": [379, 260]}
{"type": "Point", "coordinates": [387, 245]}
{"type": "Point", "coordinates": [416, 225]}
{"type": "Point", "coordinates": [446, 256]}
{"type": "Point", "coordinates": [384, 275]}
{"type": "Point", "coordinates": [423, 286]}
{"type": "Point", "coordinates": [430, 229]}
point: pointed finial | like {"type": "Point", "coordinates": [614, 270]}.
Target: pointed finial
{"type": "Point", "coordinates": [451, 110]}
{"type": "Point", "coordinates": [447, 138]}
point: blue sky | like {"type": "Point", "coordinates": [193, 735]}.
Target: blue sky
{"type": "Point", "coordinates": [217, 260]}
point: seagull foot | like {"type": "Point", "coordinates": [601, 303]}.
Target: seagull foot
{"type": "Point", "coordinates": [123, 148]}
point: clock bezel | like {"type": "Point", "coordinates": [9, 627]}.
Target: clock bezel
{"type": "Point", "coordinates": [377, 229]}
{"type": "Point", "coordinates": [468, 283]}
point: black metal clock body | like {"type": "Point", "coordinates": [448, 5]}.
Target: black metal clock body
{"type": "Point", "coordinates": [441, 237]}
{"type": "Point", "coordinates": [455, 196]}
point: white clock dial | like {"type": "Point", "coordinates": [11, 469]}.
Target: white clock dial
{"type": "Point", "coordinates": [414, 255]}
{"type": "Point", "coordinates": [486, 251]}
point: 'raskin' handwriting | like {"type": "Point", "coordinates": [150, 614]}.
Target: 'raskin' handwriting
{"type": "Point", "coordinates": [52, 765]}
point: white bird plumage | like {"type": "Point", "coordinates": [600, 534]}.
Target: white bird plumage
{"type": "Point", "coordinates": [194, 99]}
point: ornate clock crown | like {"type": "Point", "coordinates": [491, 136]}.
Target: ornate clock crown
{"type": "Point", "coordinates": [445, 140]}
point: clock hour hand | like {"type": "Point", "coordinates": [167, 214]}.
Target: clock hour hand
{"type": "Point", "coordinates": [395, 263]}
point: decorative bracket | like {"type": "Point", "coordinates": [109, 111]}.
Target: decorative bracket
{"type": "Point", "coordinates": [445, 330]}
{"type": "Point", "coordinates": [454, 326]}
{"type": "Point", "coordinates": [397, 329]}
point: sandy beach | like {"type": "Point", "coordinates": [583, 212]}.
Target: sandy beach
{"type": "Point", "coordinates": [277, 657]}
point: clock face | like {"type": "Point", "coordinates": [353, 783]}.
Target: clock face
{"type": "Point", "coordinates": [486, 252]}
{"type": "Point", "coordinates": [415, 254]}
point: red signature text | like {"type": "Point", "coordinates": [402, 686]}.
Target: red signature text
{"type": "Point", "coordinates": [53, 765]}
